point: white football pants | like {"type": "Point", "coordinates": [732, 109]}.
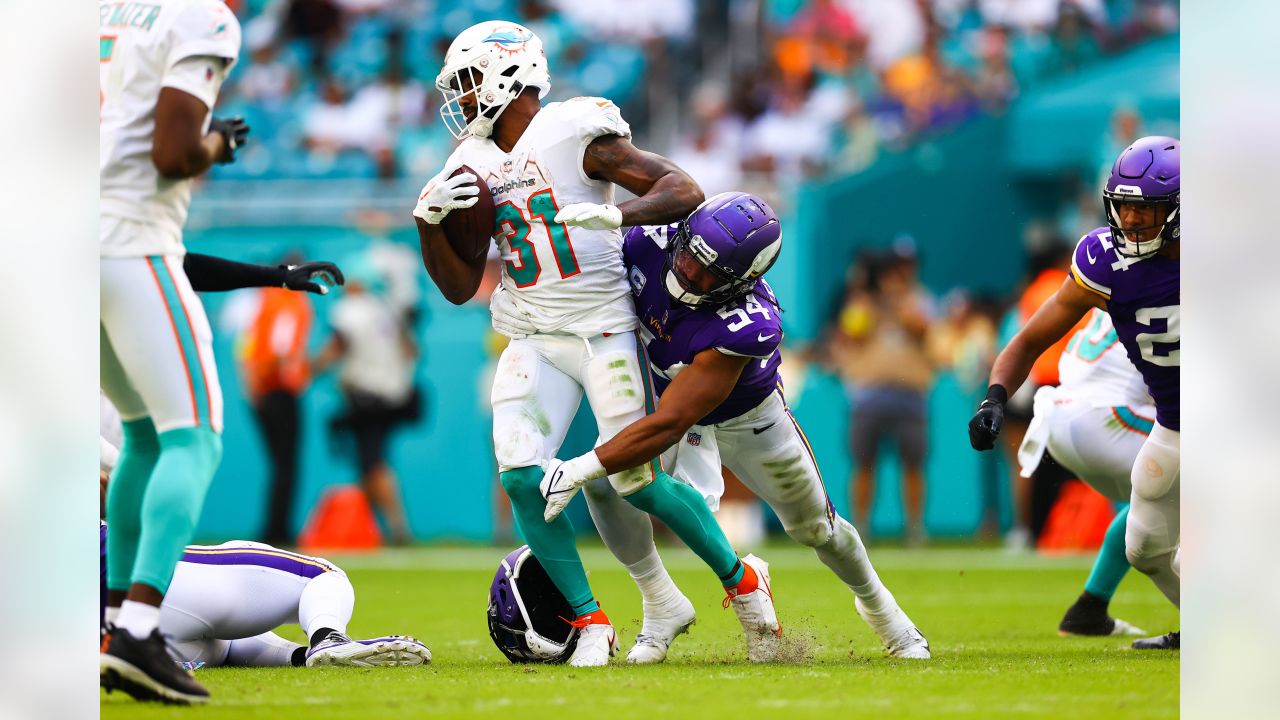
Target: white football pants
{"type": "Point", "coordinates": [766, 449]}
{"type": "Point", "coordinates": [1151, 537]}
{"type": "Point", "coordinates": [226, 599]}
{"type": "Point", "coordinates": [156, 350]}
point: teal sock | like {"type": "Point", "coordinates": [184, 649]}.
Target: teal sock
{"type": "Point", "coordinates": [1111, 564]}
{"type": "Point", "coordinates": [553, 543]}
{"type": "Point", "coordinates": [686, 513]}
{"type": "Point", "coordinates": [173, 500]}
{"type": "Point", "coordinates": [138, 455]}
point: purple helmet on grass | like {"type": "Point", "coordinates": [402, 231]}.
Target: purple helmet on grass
{"type": "Point", "coordinates": [722, 249]}
{"type": "Point", "coordinates": [1143, 196]}
{"type": "Point", "coordinates": [527, 613]}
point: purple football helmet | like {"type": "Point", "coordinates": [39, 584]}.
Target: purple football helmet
{"type": "Point", "coordinates": [722, 249]}
{"type": "Point", "coordinates": [527, 613]}
{"type": "Point", "coordinates": [1143, 196]}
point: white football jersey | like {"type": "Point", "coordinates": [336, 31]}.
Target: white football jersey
{"type": "Point", "coordinates": [1094, 367]}
{"type": "Point", "coordinates": [189, 45]}
{"type": "Point", "coordinates": [556, 279]}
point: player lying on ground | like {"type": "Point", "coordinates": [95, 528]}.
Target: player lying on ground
{"type": "Point", "coordinates": [225, 600]}
{"type": "Point", "coordinates": [1094, 423]}
{"type": "Point", "coordinates": [1131, 270]}
{"type": "Point", "coordinates": [713, 331]}
{"type": "Point", "coordinates": [563, 302]}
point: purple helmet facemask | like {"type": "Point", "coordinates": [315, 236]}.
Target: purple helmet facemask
{"type": "Point", "coordinates": [1147, 175]}
{"type": "Point", "coordinates": [527, 613]}
{"type": "Point", "coordinates": [734, 238]}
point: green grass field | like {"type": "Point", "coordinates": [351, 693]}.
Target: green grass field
{"type": "Point", "coordinates": [990, 617]}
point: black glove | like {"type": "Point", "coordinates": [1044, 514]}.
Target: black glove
{"type": "Point", "coordinates": [299, 277]}
{"type": "Point", "coordinates": [984, 427]}
{"type": "Point", "coordinates": [235, 130]}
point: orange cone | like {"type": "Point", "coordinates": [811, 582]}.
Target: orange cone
{"type": "Point", "coordinates": [1078, 521]}
{"type": "Point", "coordinates": [342, 520]}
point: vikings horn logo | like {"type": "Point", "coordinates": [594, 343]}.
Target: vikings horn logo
{"type": "Point", "coordinates": [510, 40]}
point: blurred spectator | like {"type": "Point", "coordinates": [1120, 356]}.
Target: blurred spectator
{"type": "Point", "coordinates": [964, 340]}
{"type": "Point", "coordinates": [995, 84]}
{"type": "Point", "coordinates": [822, 37]}
{"type": "Point", "coordinates": [709, 153]}
{"type": "Point", "coordinates": [267, 80]}
{"type": "Point", "coordinates": [376, 355]}
{"type": "Point", "coordinates": [318, 23]}
{"type": "Point", "coordinates": [931, 92]}
{"type": "Point", "coordinates": [273, 362]}
{"type": "Point", "coordinates": [894, 28]}
{"type": "Point", "coordinates": [881, 352]}
{"type": "Point", "coordinates": [789, 141]}
{"type": "Point", "coordinates": [325, 122]}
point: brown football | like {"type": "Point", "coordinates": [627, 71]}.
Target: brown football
{"type": "Point", "coordinates": [469, 230]}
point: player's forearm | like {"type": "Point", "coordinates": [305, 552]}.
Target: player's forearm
{"type": "Point", "coordinates": [640, 442]}
{"type": "Point", "coordinates": [670, 199]}
{"type": "Point", "coordinates": [180, 163]}
{"type": "Point", "coordinates": [214, 274]}
{"type": "Point", "coordinates": [1013, 364]}
{"type": "Point", "coordinates": [457, 281]}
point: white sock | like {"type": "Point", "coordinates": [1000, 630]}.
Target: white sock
{"type": "Point", "coordinates": [265, 650]}
{"type": "Point", "coordinates": [326, 602]}
{"type": "Point", "coordinates": [655, 583]}
{"type": "Point", "coordinates": [113, 614]}
{"type": "Point", "coordinates": [138, 618]}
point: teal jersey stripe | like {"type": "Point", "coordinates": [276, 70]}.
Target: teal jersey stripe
{"type": "Point", "coordinates": [1133, 420]}
{"type": "Point", "coordinates": [646, 380]}
{"type": "Point", "coordinates": [186, 339]}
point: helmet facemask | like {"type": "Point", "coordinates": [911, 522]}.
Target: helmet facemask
{"type": "Point", "coordinates": [690, 264]}
{"type": "Point", "coordinates": [1145, 239]}
{"type": "Point", "coordinates": [487, 99]}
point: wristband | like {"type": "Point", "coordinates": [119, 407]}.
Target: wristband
{"type": "Point", "coordinates": [998, 394]}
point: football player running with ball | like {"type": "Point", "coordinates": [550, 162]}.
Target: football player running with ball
{"type": "Point", "coordinates": [1131, 270]}
{"type": "Point", "coordinates": [564, 303]}
{"type": "Point", "coordinates": [712, 329]}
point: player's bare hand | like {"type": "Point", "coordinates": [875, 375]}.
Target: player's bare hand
{"type": "Point", "coordinates": [437, 199]}
{"type": "Point", "coordinates": [590, 216]}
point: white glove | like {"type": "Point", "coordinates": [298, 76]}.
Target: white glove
{"type": "Point", "coordinates": [590, 216]}
{"type": "Point", "coordinates": [438, 198]}
{"type": "Point", "coordinates": [561, 480]}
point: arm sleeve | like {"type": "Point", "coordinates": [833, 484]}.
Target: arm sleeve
{"type": "Point", "coordinates": [592, 117]}
{"type": "Point", "coordinates": [200, 76]}
{"type": "Point", "coordinates": [214, 274]}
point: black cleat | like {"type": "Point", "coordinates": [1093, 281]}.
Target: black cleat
{"type": "Point", "coordinates": [1168, 641]}
{"type": "Point", "coordinates": [144, 670]}
{"type": "Point", "coordinates": [1089, 617]}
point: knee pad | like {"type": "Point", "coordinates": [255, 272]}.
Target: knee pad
{"type": "Point", "coordinates": [1146, 562]}
{"type": "Point", "coordinates": [813, 533]}
{"type": "Point", "coordinates": [1151, 478]}
{"type": "Point", "coordinates": [518, 439]}
{"type": "Point", "coordinates": [633, 480]}
{"type": "Point", "coordinates": [618, 390]}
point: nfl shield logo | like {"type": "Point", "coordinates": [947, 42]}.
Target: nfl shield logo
{"type": "Point", "coordinates": [694, 438]}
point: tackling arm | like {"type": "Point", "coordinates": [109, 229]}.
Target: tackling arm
{"type": "Point", "coordinates": [692, 395]}
{"type": "Point", "coordinates": [664, 193]}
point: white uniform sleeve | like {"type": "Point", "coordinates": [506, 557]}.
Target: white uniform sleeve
{"type": "Point", "coordinates": [205, 27]}
{"type": "Point", "coordinates": [592, 117]}
{"type": "Point", "coordinates": [198, 75]}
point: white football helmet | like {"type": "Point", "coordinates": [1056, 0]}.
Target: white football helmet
{"type": "Point", "coordinates": [494, 61]}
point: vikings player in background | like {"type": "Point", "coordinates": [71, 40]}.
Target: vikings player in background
{"type": "Point", "coordinates": [563, 301]}
{"type": "Point", "coordinates": [1131, 270]}
{"type": "Point", "coordinates": [712, 329]}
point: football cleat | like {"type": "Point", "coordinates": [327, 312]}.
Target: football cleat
{"type": "Point", "coordinates": [597, 642]}
{"type": "Point", "coordinates": [662, 624]}
{"type": "Point", "coordinates": [1088, 617]}
{"type": "Point", "coordinates": [388, 651]}
{"type": "Point", "coordinates": [1168, 641]}
{"type": "Point", "coordinates": [757, 614]}
{"type": "Point", "coordinates": [901, 638]}
{"type": "Point", "coordinates": [143, 669]}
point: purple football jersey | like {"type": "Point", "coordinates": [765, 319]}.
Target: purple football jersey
{"type": "Point", "coordinates": [1142, 298]}
{"type": "Point", "coordinates": [674, 334]}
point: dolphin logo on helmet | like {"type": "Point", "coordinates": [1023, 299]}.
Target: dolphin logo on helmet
{"type": "Point", "coordinates": [492, 62]}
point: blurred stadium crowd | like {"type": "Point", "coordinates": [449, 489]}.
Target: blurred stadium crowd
{"type": "Point", "coordinates": [744, 93]}
{"type": "Point", "coordinates": [754, 95]}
